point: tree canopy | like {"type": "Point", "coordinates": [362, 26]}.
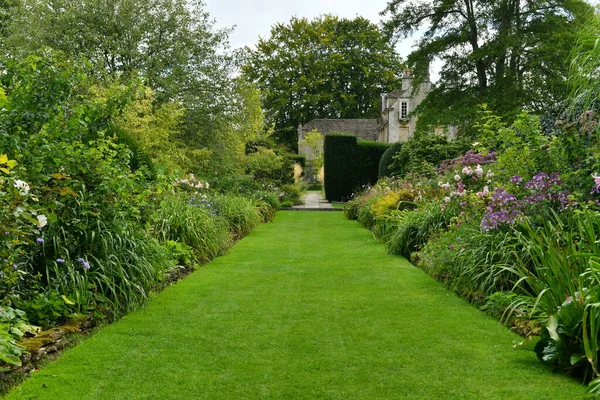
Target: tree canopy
{"type": "Point", "coordinates": [509, 54]}
{"type": "Point", "coordinates": [171, 46]}
{"type": "Point", "coordinates": [328, 67]}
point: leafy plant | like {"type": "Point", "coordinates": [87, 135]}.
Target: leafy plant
{"type": "Point", "coordinates": [13, 326]}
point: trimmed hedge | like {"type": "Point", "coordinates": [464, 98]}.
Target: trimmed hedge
{"type": "Point", "coordinates": [338, 163]}
{"type": "Point", "coordinates": [349, 164]}
{"type": "Point", "coordinates": [368, 157]}
{"type": "Point", "coordinates": [387, 159]}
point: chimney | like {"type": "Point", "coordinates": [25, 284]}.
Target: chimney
{"type": "Point", "coordinates": [406, 79]}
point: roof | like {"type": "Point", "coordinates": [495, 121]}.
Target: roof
{"type": "Point", "coordinates": [365, 129]}
{"type": "Point", "coordinates": [399, 93]}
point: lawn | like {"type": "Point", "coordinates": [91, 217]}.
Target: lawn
{"type": "Point", "coordinates": [307, 307]}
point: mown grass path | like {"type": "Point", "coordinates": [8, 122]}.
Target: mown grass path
{"type": "Point", "coordinates": [308, 307]}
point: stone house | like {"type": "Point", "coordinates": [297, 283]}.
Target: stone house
{"type": "Point", "coordinates": [395, 124]}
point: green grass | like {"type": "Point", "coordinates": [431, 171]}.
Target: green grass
{"type": "Point", "coordinates": [308, 307]}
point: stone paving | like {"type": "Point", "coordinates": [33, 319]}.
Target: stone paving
{"type": "Point", "coordinates": [314, 201]}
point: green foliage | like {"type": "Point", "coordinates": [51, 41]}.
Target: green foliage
{"type": "Point", "coordinates": [13, 326]}
{"type": "Point", "coordinates": [265, 165]}
{"type": "Point", "coordinates": [490, 53]}
{"type": "Point", "coordinates": [583, 78]}
{"type": "Point", "coordinates": [350, 165]}
{"type": "Point", "coordinates": [240, 213]}
{"type": "Point", "coordinates": [126, 37]}
{"type": "Point", "coordinates": [328, 67]}
{"type": "Point", "coordinates": [339, 164]}
{"type": "Point", "coordinates": [386, 160]}
{"type": "Point", "coordinates": [416, 227]}
{"type": "Point", "coordinates": [180, 252]}
{"type": "Point", "coordinates": [291, 193]}
{"type": "Point", "coordinates": [45, 309]}
{"type": "Point", "coordinates": [368, 156]}
{"type": "Point", "coordinates": [188, 220]}
{"type": "Point", "coordinates": [423, 153]}
{"type": "Point", "coordinates": [155, 128]}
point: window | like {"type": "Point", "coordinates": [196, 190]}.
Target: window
{"type": "Point", "coordinates": [404, 110]}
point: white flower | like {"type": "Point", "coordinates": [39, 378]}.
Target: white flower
{"type": "Point", "coordinates": [489, 174]}
{"type": "Point", "coordinates": [475, 144]}
{"type": "Point", "coordinates": [42, 221]}
{"type": "Point", "coordinates": [444, 185]}
{"type": "Point", "coordinates": [447, 199]}
{"type": "Point", "coordinates": [479, 171]}
{"type": "Point", "coordinates": [457, 177]}
{"type": "Point", "coordinates": [22, 186]}
{"type": "Point", "coordinates": [206, 184]}
{"type": "Point", "coordinates": [467, 171]}
{"type": "Point", "coordinates": [485, 191]}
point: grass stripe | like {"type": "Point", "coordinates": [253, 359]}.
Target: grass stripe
{"type": "Point", "coordinates": [307, 307]}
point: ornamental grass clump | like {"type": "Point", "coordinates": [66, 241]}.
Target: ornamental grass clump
{"type": "Point", "coordinates": [240, 213]}
{"type": "Point", "coordinates": [417, 226]}
{"type": "Point", "coordinates": [115, 268]}
{"type": "Point", "coordinates": [179, 219]}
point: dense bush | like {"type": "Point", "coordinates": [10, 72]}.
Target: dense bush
{"type": "Point", "coordinates": [387, 158]}
{"type": "Point", "coordinates": [241, 213]}
{"type": "Point", "coordinates": [368, 157]}
{"type": "Point", "coordinates": [423, 153]}
{"type": "Point", "coordinates": [192, 220]}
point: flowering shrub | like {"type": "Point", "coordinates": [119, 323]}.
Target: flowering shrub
{"type": "Point", "coordinates": [191, 184]}
{"type": "Point", "coordinates": [542, 192]}
{"type": "Point", "coordinates": [469, 159]}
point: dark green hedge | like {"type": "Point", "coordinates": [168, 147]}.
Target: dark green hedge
{"type": "Point", "coordinates": [368, 157]}
{"type": "Point", "coordinates": [349, 164]}
{"type": "Point", "coordinates": [387, 158]}
{"type": "Point", "coordinates": [338, 163]}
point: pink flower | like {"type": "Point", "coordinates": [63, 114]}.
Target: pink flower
{"type": "Point", "coordinates": [596, 188]}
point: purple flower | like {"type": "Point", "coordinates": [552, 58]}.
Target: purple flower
{"type": "Point", "coordinates": [451, 247]}
{"type": "Point", "coordinates": [83, 262]}
{"type": "Point", "coordinates": [15, 266]}
{"type": "Point", "coordinates": [39, 240]}
{"type": "Point", "coordinates": [516, 179]}
{"type": "Point", "coordinates": [60, 260]}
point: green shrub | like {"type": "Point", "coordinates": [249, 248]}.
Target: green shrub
{"type": "Point", "coordinates": [468, 261]}
{"type": "Point", "coordinates": [193, 222]}
{"type": "Point", "coordinates": [296, 159]}
{"type": "Point", "coordinates": [240, 213]}
{"type": "Point", "coordinates": [423, 153]}
{"type": "Point", "coordinates": [116, 266]}
{"type": "Point", "coordinates": [416, 227]}
{"type": "Point", "coordinates": [291, 193]}
{"type": "Point", "coordinates": [387, 158]}
{"type": "Point", "coordinates": [368, 157]}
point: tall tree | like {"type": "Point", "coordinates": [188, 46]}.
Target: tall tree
{"type": "Point", "coordinates": [324, 68]}
{"type": "Point", "coordinates": [507, 53]}
{"type": "Point", "coordinates": [171, 44]}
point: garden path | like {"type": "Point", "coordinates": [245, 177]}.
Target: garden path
{"type": "Point", "coordinates": [315, 201]}
{"type": "Point", "coordinates": [306, 307]}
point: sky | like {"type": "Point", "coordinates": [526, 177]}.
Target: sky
{"type": "Point", "coordinates": [254, 18]}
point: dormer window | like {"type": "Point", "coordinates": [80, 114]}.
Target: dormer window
{"type": "Point", "coordinates": [404, 110]}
